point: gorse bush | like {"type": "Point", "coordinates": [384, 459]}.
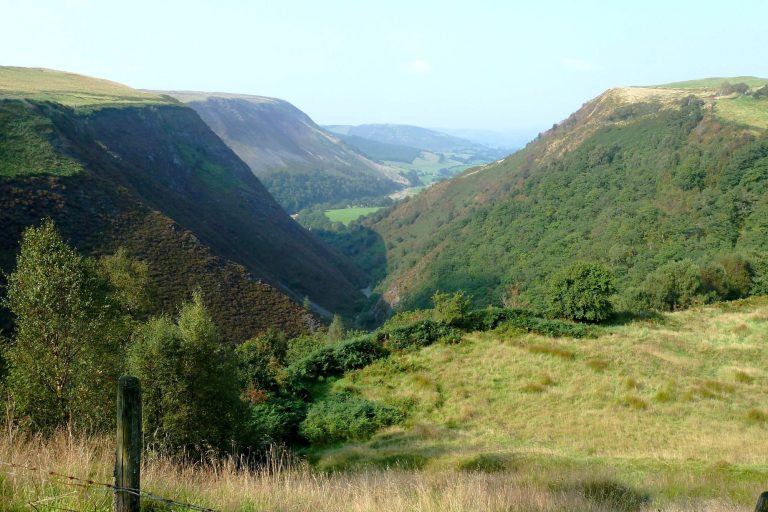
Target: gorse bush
{"type": "Point", "coordinates": [261, 359]}
{"type": "Point", "coordinates": [419, 334]}
{"type": "Point", "coordinates": [276, 420]}
{"type": "Point", "coordinates": [450, 308]}
{"type": "Point", "coordinates": [346, 417]}
{"type": "Point", "coordinates": [582, 292]}
{"type": "Point", "coordinates": [523, 320]}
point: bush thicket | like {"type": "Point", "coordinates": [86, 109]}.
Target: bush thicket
{"type": "Point", "coordinates": [582, 292]}
{"type": "Point", "coordinates": [346, 417]}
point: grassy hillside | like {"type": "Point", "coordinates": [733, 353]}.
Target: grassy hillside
{"type": "Point", "coordinates": [636, 178]}
{"type": "Point", "coordinates": [674, 406]}
{"type": "Point", "coordinates": [715, 82]}
{"type": "Point", "coordinates": [300, 163]}
{"type": "Point", "coordinates": [71, 89]}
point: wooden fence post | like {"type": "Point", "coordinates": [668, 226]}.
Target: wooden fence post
{"type": "Point", "coordinates": [762, 503]}
{"type": "Point", "coordinates": [128, 452]}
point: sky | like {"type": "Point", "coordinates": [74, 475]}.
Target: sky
{"type": "Point", "coordinates": [507, 66]}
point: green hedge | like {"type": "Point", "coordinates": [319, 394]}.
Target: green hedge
{"type": "Point", "coordinates": [491, 318]}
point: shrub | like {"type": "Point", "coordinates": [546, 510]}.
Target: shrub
{"type": "Point", "coordinates": [189, 382]}
{"type": "Point", "coordinates": [673, 286]}
{"type": "Point", "coordinates": [451, 308]}
{"type": "Point", "coordinates": [335, 359]}
{"type": "Point", "coordinates": [276, 420]}
{"type": "Point", "coordinates": [406, 318]}
{"type": "Point", "coordinates": [582, 292]}
{"type": "Point", "coordinates": [260, 360]}
{"type": "Point", "coordinates": [419, 334]}
{"type": "Point", "coordinates": [346, 417]}
{"type": "Point", "coordinates": [488, 318]}
{"type": "Point", "coordinates": [520, 320]}
{"type": "Point", "coordinates": [301, 346]}
{"type": "Point", "coordinates": [729, 277]}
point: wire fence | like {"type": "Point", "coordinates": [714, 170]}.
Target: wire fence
{"type": "Point", "coordinates": [74, 481]}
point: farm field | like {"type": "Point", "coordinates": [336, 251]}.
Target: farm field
{"type": "Point", "coordinates": [347, 215]}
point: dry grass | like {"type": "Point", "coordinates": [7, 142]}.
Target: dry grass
{"type": "Point", "coordinates": [675, 405]}
{"type": "Point", "coordinates": [487, 483]}
{"type": "Point", "coordinates": [70, 89]}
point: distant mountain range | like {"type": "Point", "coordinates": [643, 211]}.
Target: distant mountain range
{"type": "Point", "coordinates": [424, 156]}
{"type": "Point", "coordinates": [406, 135]}
{"type": "Point", "coordinates": [509, 140]}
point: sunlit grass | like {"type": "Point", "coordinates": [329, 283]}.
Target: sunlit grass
{"type": "Point", "coordinates": [679, 395]}
{"type": "Point", "coordinates": [744, 110]}
{"type": "Point", "coordinates": [70, 89]}
{"type": "Point", "coordinates": [493, 481]}
{"type": "Point", "coordinates": [347, 215]}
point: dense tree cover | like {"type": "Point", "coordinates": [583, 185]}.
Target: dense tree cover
{"type": "Point", "coordinates": [653, 186]}
{"type": "Point", "coordinates": [361, 244]}
{"type": "Point", "coordinates": [297, 190]}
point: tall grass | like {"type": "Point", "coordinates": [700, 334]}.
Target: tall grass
{"type": "Point", "coordinates": [225, 485]}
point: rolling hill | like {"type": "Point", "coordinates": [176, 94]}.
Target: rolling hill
{"type": "Point", "coordinates": [117, 167]}
{"type": "Point", "coordinates": [637, 177]}
{"type": "Point", "coordinates": [425, 156]}
{"type": "Point", "coordinates": [300, 163]}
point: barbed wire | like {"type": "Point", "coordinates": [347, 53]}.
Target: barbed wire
{"type": "Point", "coordinates": [86, 482]}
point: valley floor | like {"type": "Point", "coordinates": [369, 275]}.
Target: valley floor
{"type": "Point", "coordinates": [665, 414]}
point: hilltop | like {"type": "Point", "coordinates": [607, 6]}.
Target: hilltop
{"type": "Point", "coordinates": [300, 163]}
{"type": "Point", "coordinates": [71, 89]}
{"type": "Point", "coordinates": [117, 167]}
{"type": "Point", "coordinates": [637, 177]}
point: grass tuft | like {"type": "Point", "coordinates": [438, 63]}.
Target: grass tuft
{"type": "Point", "coordinates": [597, 364]}
{"type": "Point", "coordinates": [634, 402]}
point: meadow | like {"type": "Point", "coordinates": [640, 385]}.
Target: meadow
{"type": "Point", "coordinates": [665, 413]}
{"type": "Point", "coordinates": [347, 215]}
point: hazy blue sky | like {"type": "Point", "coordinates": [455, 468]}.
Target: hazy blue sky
{"type": "Point", "coordinates": [500, 65]}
